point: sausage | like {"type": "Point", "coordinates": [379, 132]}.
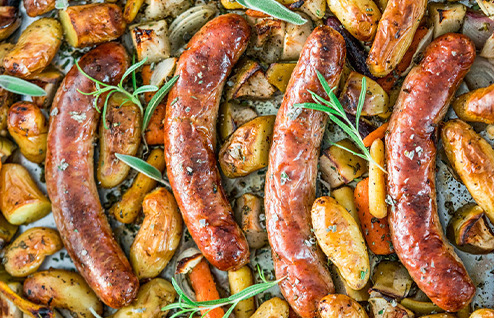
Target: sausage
{"type": "Point", "coordinates": [416, 232]}
{"type": "Point", "coordinates": [292, 172]}
{"type": "Point", "coordinates": [477, 106]}
{"type": "Point", "coordinates": [190, 140]}
{"type": "Point", "coordinates": [70, 178]}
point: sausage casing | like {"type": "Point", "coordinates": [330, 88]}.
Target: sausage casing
{"type": "Point", "coordinates": [292, 172]}
{"type": "Point", "coordinates": [190, 135]}
{"type": "Point", "coordinates": [410, 149]}
{"type": "Point", "coordinates": [70, 179]}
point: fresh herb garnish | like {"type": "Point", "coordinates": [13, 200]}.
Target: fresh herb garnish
{"type": "Point", "coordinates": [61, 4]}
{"type": "Point", "coordinates": [154, 102]}
{"type": "Point", "coordinates": [142, 166]}
{"type": "Point", "coordinates": [274, 9]}
{"type": "Point", "coordinates": [337, 115]}
{"type": "Point", "coordinates": [185, 305]}
{"type": "Point", "coordinates": [20, 86]}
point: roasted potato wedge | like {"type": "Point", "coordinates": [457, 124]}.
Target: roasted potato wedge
{"type": "Point", "coordinates": [248, 213]}
{"type": "Point", "coordinates": [470, 232]}
{"type": "Point", "coordinates": [249, 82]}
{"type": "Point", "coordinates": [4, 49]}
{"type": "Point", "coordinates": [420, 307]}
{"type": "Point", "coordinates": [21, 201]}
{"type": "Point", "coordinates": [394, 35]}
{"type": "Point", "coordinates": [340, 239]}
{"type": "Point", "coordinates": [247, 149]}
{"type": "Point", "coordinates": [441, 315]}
{"type": "Point", "coordinates": [376, 99]}
{"type": "Point", "coordinates": [48, 79]}
{"type": "Point", "coordinates": [339, 166]}
{"type": "Point", "coordinates": [273, 308]}
{"type": "Point", "coordinates": [24, 256]}
{"type": "Point", "coordinates": [35, 49]}
{"type": "Point", "coordinates": [105, 19]}
{"type": "Point", "coordinates": [63, 289]}
{"type": "Point", "coordinates": [131, 9]}
{"type": "Point", "coordinates": [446, 17]}
{"type": "Point", "coordinates": [151, 41]}
{"type": "Point", "coordinates": [10, 294]}
{"type": "Point", "coordinates": [382, 308]}
{"type": "Point", "coordinates": [240, 280]}
{"type": "Point", "coordinates": [336, 306]}
{"type": "Point", "coordinates": [267, 40]}
{"type": "Point", "coordinates": [316, 9]}
{"type": "Point", "coordinates": [295, 38]}
{"type": "Point", "coordinates": [28, 126]}
{"type": "Point", "coordinates": [473, 159]}
{"type": "Point", "coordinates": [6, 148]}
{"type": "Point", "coordinates": [129, 207]}
{"type": "Point", "coordinates": [7, 231]}
{"type": "Point", "coordinates": [344, 197]}
{"type": "Point", "coordinates": [342, 287]}
{"type": "Point", "coordinates": [477, 105]}
{"type": "Point", "coordinates": [359, 17]}
{"type": "Point", "coordinates": [123, 136]}
{"type": "Point", "coordinates": [482, 313]}
{"type": "Point", "coordinates": [231, 116]}
{"type": "Point", "coordinates": [7, 308]}
{"type": "Point", "coordinates": [391, 279]}
{"type": "Point", "coordinates": [231, 4]}
{"type": "Point", "coordinates": [6, 100]}
{"type": "Point", "coordinates": [36, 8]}
{"type": "Point", "coordinates": [10, 20]}
{"type": "Point", "coordinates": [278, 74]}
{"type": "Point", "coordinates": [152, 296]}
{"type": "Point", "coordinates": [158, 236]}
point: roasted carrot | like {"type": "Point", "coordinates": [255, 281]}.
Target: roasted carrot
{"type": "Point", "coordinates": [146, 74]}
{"type": "Point", "coordinates": [154, 133]}
{"type": "Point", "coordinates": [256, 14]}
{"type": "Point", "coordinates": [387, 82]}
{"type": "Point", "coordinates": [376, 231]}
{"type": "Point", "coordinates": [205, 288]}
{"type": "Point", "coordinates": [379, 133]}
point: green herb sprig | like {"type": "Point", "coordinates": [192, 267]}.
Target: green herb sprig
{"type": "Point", "coordinates": [20, 86]}
{"type": "Point", "coordinates": [185, 305]}
{"type": "Point", "coordinates": [335, 111]}
{"type": "Point", "coordinates": [133, 97]}
{"type": "Point", "coordinates": [274, 9]}
{"type": "Point", "coordinates": [143, 167]}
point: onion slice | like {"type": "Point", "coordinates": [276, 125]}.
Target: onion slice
{"type": "Point", "coordinates": [481, 74]}
{"type": "Point", "coordinates": [477, 27]}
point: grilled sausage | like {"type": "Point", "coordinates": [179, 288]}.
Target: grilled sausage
{"type": "Point", "coordinates": [415, 228]}
{"type": "Point", "coordinates": [291, 176]}
{"type": "Point", "coordinates": [70, 178]}
{"type": "Point", "coordinates": [190, 137]}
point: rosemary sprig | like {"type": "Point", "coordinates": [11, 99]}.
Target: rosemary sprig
{"type": "Point", "coordinates": [337, 115]}
{"type": "Point", "coordinates": [185, 305]}
{"type": "Point", "coordinates": [274, 9]}
{"type": "Point", "coordinates": [20, 86]}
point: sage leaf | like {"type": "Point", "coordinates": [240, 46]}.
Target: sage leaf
{"type": "Point", "coordinates": [20, 86]}
{"type": "Point", "coordinates": [141, 166]}
{"type": "Point", "coordinates": [274, 9]}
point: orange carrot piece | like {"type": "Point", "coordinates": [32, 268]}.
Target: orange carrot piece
{"type": "Point", "coordinates": [376, 231]}
{"type": "Point", "coordinates": [256, 14]}
{"type": "Point", "coordinates": [379, 133]}
{"type": "Point", "coordinates": [205, 288]}
{"type": "Point", "coordinates": [146, 74]}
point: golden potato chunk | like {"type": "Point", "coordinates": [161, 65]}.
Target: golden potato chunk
{"type": "Point", "coordinates": [35, 49]}
{"type": "Point", "coordinates": [7, 231]}
{"type": "Point", "coordinates": [21, 201]}
{"type": "Point", "coordinates": [10, 20]}
{"type": "Point", "coordinates": [36, 8]}
{"type": "Point", "coordinates": [483, 313]}
{"type": "Point", "coordinates": [240, 280]}
{"type": "Point", "coordinates": [391, 279]}
{"type": "Point", "coordinates": [151, 41]}
{"type": "Point", "coordinates": [26, 254]}
{"type": "Point", "coordinates": [247, 149]}
{"type": "Point", "coordinates": [249, 209]}
{"type": "Point", "coordinates": [158, 236]}
{"type": "Point", "coordinates": [47, 80]}
{"type": "Point", "coordinates": [336, 306]}
{"type": "Point", "coordinates": [376, 99]}
{"type": "Point", "coordinates": [231, 116]}
{"type": "Point", "coordinates": [279, 74]}
{"type": "Point", "coordinates": [476, 106]}
{"type": "Point", "coordinates": [273, 308]}
{"type": "Point", "coordinates": [447, 17]}
{"type": "Point", "coordinates": [92, 24]}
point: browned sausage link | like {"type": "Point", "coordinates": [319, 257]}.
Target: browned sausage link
{"type": "Point", "coordinates": [190, 135]}
{"type": "Point", "coordinates": [291, 177]}
{"type": "Point", "coordinates": [410, 149]}
{"type": "Point", "coordinates": [70, 178]}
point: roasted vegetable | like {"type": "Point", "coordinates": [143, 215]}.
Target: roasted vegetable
{"type": "Point", "coordinates": [482, 313]}
{"type": "Point", "coordinates": [152, 296]}
{"type": "Point", "coordinates": [151, 41]}
{"type": "Point", "coordinates": [267, 40]}
{"type": "Point", "coordinates": [420, 307]}
{"type": "Point", "coordinates": [316, 9]}
{"type": "Point", "coordinates": [342, 287]}
{"type": "Point", "coordinates": [36, 8]}
{"type": "Point", "coordinates": [473, 159]}
{"type": "Point", "coordinates": [469, 230]}
{"type": "Point", "coordinates": [376, 99]}
{"type": "Point", "coordinates": [7, 231]}
{"type": "Point", "coordinates": [158, 9]}
{"type": "Point", "coordinates": [4, 49]}
{"type": "Point", "coordinates": [447, 17]}
{"type": "Point", "coordinates": [131, 9]}
{"type": "Point", "coordinates": [35, 49]}
{"type": "Point", "coordinates": [48, 80]}
{"type": "Point", "coordinates": [231, 116]}
{"type": "Point", "coordinates": [336, 306]}
{"type": "Point", "coordinates": [476, 105]}
{"type": "Point", "coordinates": [240, 280]}
{"type": "Point", "coordinates": [105, 19]}
{"type": "Point", "coordinates": [129, 207]}
{"type": "Point", "coordinates": [25, 255]}
{"type": "Point", "coordinates": [381, 308]}
{"type": "Point", "coordinates": [63, 289]}
{"type": "Point", "coordinates": [340, 239]}
{"type": "Point", "coordinates": [294, 39]}
{"type": "Point", "coordinates": [377, 181]}
{"type": "Point", "coordinates": [123, 136]}
{"type": "Point", "coordinates": [391, 279]}
{"type": "Point", "coordinates": [231, 4]}
{"type": "Point", "coordinates": [21, 201]}
{"type": "Point", "coordinates": [338, 166]}
{"type": "Point", "coordinates": [7, 308]}
{"type": "Point", "coordinates": [10, 293]}
{"type": "Point", "coordinates": [273, 308]}
{"type": "Point", "coordinates": [360, 17]}
{"type": "Point", "coordinates": [394, 34]}
{"type": "Point", "coordinates": [344, 197]}
{"type": "Point", "coordinates": [278, 74]}
{"type": "Point", "coordinates": [249, 82]}
{"type": "Point", "coordinates": [158, 236]}
{"type": "Point", "coordinates": [247, 149]}
{"type": "Point", "coordinates": [10, 20]}
{"type": "Point", "coordinates": [28, 126]}
{"type": "Point", "coordinates": [6, 100]}
{"type": "Point", "coordinates": [249, 211]}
